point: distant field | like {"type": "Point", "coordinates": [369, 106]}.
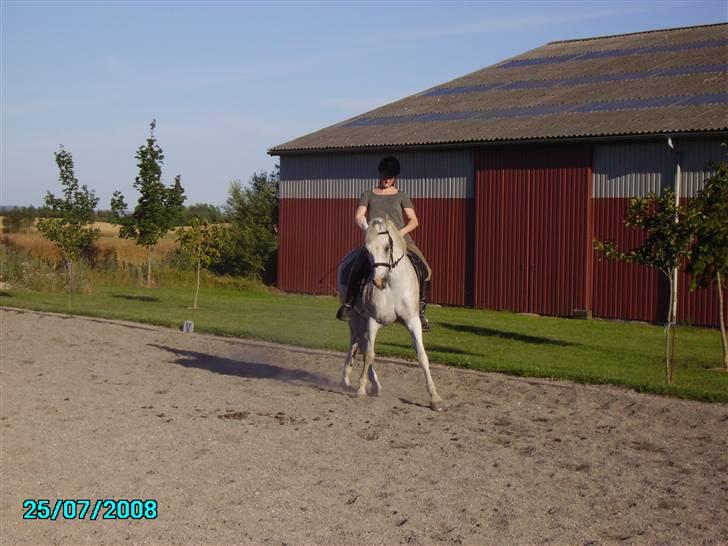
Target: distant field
{"type": "Point", "coordinates": [125, 251]}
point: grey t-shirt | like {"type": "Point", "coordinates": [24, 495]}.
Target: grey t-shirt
{"type": "Point", "coordinates": [378, 206]}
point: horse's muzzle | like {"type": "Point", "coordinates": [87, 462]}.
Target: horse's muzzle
{"type": "Point", "coordinates": [380, 282]}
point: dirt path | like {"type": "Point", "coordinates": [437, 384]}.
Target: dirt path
{"type": "Point", "coordinates": [245, 442]}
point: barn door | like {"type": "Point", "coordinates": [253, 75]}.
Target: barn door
{"type": "Point", "coordinates": [533, 230]}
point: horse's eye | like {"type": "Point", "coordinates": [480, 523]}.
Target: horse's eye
{"type": "Point", "coordinates": [386, 248]}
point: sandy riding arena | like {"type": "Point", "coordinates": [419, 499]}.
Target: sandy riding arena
{"type": "Point", "coordinates": [250, 443]}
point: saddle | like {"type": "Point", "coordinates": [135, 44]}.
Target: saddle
{"type": "Point", "coordinates": [359, 259]}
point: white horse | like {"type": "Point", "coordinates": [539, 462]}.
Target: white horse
{"type": "Point", "coordinates": [392, 295]}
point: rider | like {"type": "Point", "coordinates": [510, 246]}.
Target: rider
{"type": "Point", "coordinates": [384, 200]}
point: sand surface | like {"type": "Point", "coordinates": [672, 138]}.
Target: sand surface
{"type": "Point", "coordinates": [251, 443]}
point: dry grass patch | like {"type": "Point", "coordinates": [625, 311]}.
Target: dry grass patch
{"type": "Point", "coordinates": [35, 245]}
{"type": "Point", "coordinates": [123, 251]}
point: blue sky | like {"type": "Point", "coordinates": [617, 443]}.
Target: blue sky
{"type": "Point", "coordinates": [228, 80]}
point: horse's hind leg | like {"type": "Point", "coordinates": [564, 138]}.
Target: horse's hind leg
{"type": "Point", "coordinates": [349, 362]}
{"type": "Point", "coordinates": [372, 328]}
{"type": "Point", "coordinates": [415, 328]}
{"type": "Point", "coordinates": [374, 380]}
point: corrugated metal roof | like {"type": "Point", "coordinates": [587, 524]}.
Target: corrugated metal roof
{"type": "Point", "coordinates": [634, 84]}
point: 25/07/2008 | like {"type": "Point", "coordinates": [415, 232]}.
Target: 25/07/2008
{"type": "Point", "coordinates": [79, 508]}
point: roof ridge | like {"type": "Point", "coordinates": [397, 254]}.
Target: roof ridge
{"type": "Point", "coordinates": [634, 33]}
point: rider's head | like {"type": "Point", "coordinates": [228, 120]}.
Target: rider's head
{"type": "Point", "coordinates": [388, 168]}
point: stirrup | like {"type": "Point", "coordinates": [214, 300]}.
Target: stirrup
{"type": "Point", "coordinates": [344, 312]}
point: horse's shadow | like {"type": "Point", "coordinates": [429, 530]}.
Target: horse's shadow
{"type": "Point", "coordinates": [504, 334]}
{"type": "Point", "coordinates": [248, 370]}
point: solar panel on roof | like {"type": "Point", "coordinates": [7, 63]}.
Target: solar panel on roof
{"type": "Point", "coordinates": [545, 109]}
{"type": "Point", "coordinates": [707, 98]}
{"type": "Point", "coordinates": [613, 53]}
{"type": "Point", "coordinates": [607, 53]}
{"type": "Point", "coordinates": [687, 70]}
{"type": "Point", "coordinates": [579, 80]}
{"type": "Point", "coordinates": [633, 104]}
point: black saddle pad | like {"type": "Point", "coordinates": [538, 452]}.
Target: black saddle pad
{"type": "Point", "coordinates": [350, 259]}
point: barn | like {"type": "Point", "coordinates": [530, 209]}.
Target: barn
{"type": "Point", "coordinates": [515, 169]}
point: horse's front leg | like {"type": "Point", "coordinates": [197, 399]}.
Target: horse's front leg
{"type": "Point", "coordinates": [415, 329]}
{"type": "Point", "coordinates": [372, 328]}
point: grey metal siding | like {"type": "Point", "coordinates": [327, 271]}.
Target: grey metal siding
{"type": "Point", "coordinates": [430, 174]}
{"type": "Point", "coordinates": [636, 168]}
{"type": "Point", "coordinates": [632, 169]}
{"type": "Point", "coordinates": [694, 156]}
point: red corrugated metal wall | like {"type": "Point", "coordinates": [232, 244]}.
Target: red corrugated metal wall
{"type": "Point", "coordinates": [533, 230]}
{"type": "Point", "coordinates": [316, 233]}
{"type": "Point", "coordinates": [442, 237]}
{"type": "Point", "coordinates": [699, 307]}
{"type": "Point", "coordinates": [621, 290]}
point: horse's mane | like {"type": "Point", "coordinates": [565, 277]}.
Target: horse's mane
{"type": "Point", "coordinates": [380, 224]}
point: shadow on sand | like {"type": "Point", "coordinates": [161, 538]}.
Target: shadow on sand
{"type": "Point", "coordinates": [250, 370]}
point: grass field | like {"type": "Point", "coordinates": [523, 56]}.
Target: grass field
{"type": "Point", "coordinates": [628, 354]}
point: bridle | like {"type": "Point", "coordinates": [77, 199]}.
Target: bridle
{"type": "Point", "coordinates": [392, 262]}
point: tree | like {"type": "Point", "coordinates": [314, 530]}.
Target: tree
{"type": "Point", "coordinates": [18, 220]}
{"type": "Point", "coordinates": [71, 228]}
{"type": "Point", "coordinates": [253, 216]}
{"type": "Point", "coordinates": [670, 231]}
{"type": "Point", "coordinates": [203, 242]}
{"type": "Point", "coordinates": [203, 211]}
{"type": "Point", "coordinates": [709, 259]}
{"type": "Point", "coordinates": [159, 206]}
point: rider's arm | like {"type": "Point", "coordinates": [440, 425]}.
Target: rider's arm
{"type": "Point", "coordinates": [412, 221]}
{"type": "Point", "coordinates": [360, 218]}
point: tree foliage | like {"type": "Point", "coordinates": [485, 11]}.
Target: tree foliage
{"type": "Point", "coordinates": [203, 242]}
{"type": "Point", "coordinates": [18, 220]}
{"type": "Point", "coordinates": [710, 253]}
{"type": "Point", "coordinates": [158, 208]}
{"type": "Point", "coordinates": [202, 211]}
{"type": "Point", "coordinates": [252, 213]}
{"type": "Point", "coordinates": [669, 228]}
{"type": "Point", "coordinates": [71, 228]}
{"type": "Point", "coordinates": [709, 260]}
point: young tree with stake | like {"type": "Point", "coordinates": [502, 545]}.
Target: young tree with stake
{"type": "Point", "coordinates": [159, 206]}
{"type": "Point", "coordinates": [203, 242]}
{"type": "Point", "coordinates": [670, 232]}
{"type": "Point", "coordinates": [71, 228]}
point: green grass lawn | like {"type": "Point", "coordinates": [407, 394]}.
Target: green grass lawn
{"type": "Point", "coordinates": [596, 351]}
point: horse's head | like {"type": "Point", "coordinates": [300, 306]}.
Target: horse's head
{"type": "Point", "coordinates": [386, 248]}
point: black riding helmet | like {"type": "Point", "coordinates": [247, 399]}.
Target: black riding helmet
{"type": "Point", "coordinates": [389, 167]}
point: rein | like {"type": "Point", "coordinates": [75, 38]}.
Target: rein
{"type": "Point", "coordinates": [392, 263]}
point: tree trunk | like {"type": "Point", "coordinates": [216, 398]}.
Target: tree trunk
{"type": "Point", "coordinates": [149, 268]}
{"type": "Point", "coordinates": [197, 290]}
{"type": "Point", "coordinates": [722, 321]}
{"type": "Point", "coordinates": [670, 330]}
{"type": "Point", "coordinates": [69, 268]}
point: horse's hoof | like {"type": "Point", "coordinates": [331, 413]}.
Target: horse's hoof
{"type": "Point", "coordinates": [360, 394]}
{"type": "Point", "coordinates": [436, 405]}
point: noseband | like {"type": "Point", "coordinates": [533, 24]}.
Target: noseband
{"type": "Point", "coordinates": [392, 263]}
